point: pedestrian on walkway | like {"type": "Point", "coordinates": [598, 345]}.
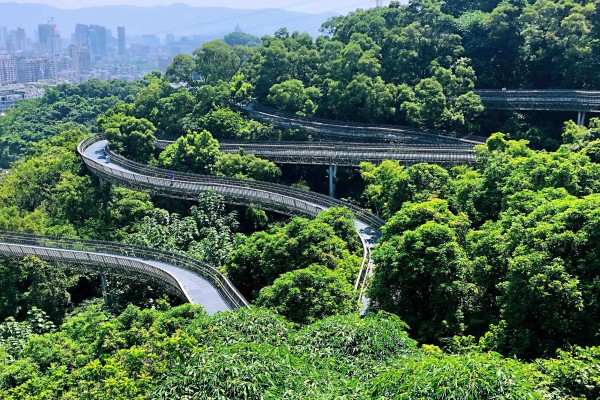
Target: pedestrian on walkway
{"type": "Point", "coordinates": [171, 177]}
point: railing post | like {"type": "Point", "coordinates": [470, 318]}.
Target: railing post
{"type": "Point", "coordinates": [332, 178]}
{"type": "Point", "coordinates": [581, 118]}
{"type": "Point", "coordinates": [105, 294]}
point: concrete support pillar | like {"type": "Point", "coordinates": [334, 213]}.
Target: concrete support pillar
{"type": "Point", "coordinates": [105, 294]}
{"type": "Point", "coordinates": [332, 179]}
{"type": "Point", "coordinates": [581, 118]}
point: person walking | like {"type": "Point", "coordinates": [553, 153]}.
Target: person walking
{"type": "Point", "coordinates": [171, 177]}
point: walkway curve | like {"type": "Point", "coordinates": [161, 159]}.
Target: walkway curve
{"type": "Point", "coordinates": [541, 100]}
{"type": "Point", "coordinates": [346, 154]}
{"type": "Point", "coordinates": [267, 196]}
{"type": "Point", "coordinates": [196, 281]}
{"type": "Point", "coordinates": [352, 131]}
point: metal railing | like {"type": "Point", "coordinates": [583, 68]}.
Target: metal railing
{"type": "Point", "coordinates": [346, 153]}
{"type": "Point", "coordinates": [265, 195]}
{"type": "Point", "coordinates": [123, 259]}
{"type": "Point", "coordinates": [341, 130]}
{"type": "Point", "coordinates": [269, 196]}
{"type": "Point", "coordinates": [541, 100]}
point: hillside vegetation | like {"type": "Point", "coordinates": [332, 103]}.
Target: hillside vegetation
{"type": "Point", "coordinates": [487, 276]}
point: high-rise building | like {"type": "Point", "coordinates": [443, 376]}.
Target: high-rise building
{"type": "Point", "coordinates": [81, 34]}
{"type": "Point", "coordinates": [80, 58]}
{"type": "Point", "coordinates": [97, 41]}
{"type": "Point", "coordinates": [4, 36]}
{"type": "Point", "coordinates": [121, 40]}
{"type": "Point", "coordinates": [8, 69]}
{"type": "Point", "coordinates": [49, 39]}
{"type": "Point", "coordinates": [34, 69]}
{"type": "Point", "coordinates": [21, 39]}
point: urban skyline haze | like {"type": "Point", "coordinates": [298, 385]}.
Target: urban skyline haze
{"type": "Point", "coordinates": [306, 6]}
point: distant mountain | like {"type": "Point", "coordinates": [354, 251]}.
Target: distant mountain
{"type": "Point", "coordinates": [178, 19]}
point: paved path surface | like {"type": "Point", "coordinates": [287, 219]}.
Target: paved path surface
{"type": "Point", "coordinates": [95, 153]}
{"type": "Point", "coordinates": [347, 153]}
{"type": "Point", "coordinates": [94, 156]}
{"type": "Point", "coordinates": [194, 287]}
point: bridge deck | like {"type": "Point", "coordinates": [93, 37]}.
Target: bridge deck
{"type": "Point", "coordinates": [191, 285]}
{"type": "Point", "coordinates": [541, 100]}
{"type": "Point", "coordinates": [346, 153]}
{"type": "Point", "coordinates": [265, 195]}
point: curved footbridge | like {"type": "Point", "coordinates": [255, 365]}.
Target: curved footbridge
{"type": "Point", "coordinates": [267, 196]}
{"type": "Point", "coordinates": [333, 130]}
{"type": "Point", "coordinates": [580, 101]}
{"type": "Point", "coordinates": [193, 280]}
{"type": "Point", "coordinates": [347, 154]}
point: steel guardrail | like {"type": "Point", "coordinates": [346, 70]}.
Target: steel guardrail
{"type": "Point", "coordinates": [541, 100]}
{"type": "Point", "coordinates": [118, 257]}
{"type": "Point", "coordinates": [345, 153]}
{"type": "Point", "coordinates": [342, 130]}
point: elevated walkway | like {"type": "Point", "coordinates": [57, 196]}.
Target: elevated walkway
{"type": "Point", "coordinates": [267, 196]}
{"type": "Point", "coordinates": [347, 154]}
{"type": "Point", "coordinates": [333, 130]}
{"type": "Point", "coordinates": [541, 100]}
{"type": "Point", "coordinates": [193, 280]}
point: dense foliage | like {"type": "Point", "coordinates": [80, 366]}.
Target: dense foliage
{"type": "Point", "coordinates": [498, 259]}
{"type": "Point", "coordinates": [510, 244]}
{"type": "Point", "coordinates": [63, 107]}
{"type": "Point", "coordinates": [252, 353]}
{"type": "Point", "coordinates": [415, 64]}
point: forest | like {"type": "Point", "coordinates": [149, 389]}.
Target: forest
{"type": "Point", "coordinates": [487, 276]}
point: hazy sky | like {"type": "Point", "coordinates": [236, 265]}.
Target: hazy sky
{"type": "Point", "coordinates": [310, 6]}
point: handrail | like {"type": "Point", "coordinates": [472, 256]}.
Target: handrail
{"type": "Point", "coordinates": [343, 130]}
{"type": "Point", "coordinates": [541, 100]}
{"type": "Point", "coordinates": [346, 153]}
{"type": "Point", "coordinates": [111, 251]}
{"type": "Point", "coordinates": [280, 197]}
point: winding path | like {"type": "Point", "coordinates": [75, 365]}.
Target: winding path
{"type": "Point", "coordinates": [332, 130]}
{"type": "Point", "coordinates": [268, 196]}
{"type": "Point", "coordinates": [347, 154]}
{"type": "Point", "coordinates": [200, 283]}
{"type": "Point", "coordinates": [193, 280]}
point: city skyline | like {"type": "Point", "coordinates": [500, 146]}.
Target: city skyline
{"type": "Point", "coordinates": [305, 6]}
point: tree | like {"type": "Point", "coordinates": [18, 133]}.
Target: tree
{"type": "Point", "coordinates": [541, 302]}
{"type": "Point", "coordinates": [429, 106]}
{"type": "Point", "coordinates": [247, 166]}
{"type": "Point", "coordinates": [263, 256]}
{"type": "Point", "coordinates": [241, 39]}
{"type": "Point", "coordinates": [195, 152]}
{"type": "Point", "coordinates": [182, 70]}
{"type": "Point", "coordinates": [216, 61]}
{"type": "Point", "coordinates": [33, 283]}
{"type": "Point", "coordinates": [292, 96]}
{"type": "Point", "coordinates": [306, 295]}
{"type": "Point", "coordinates": [170, 112]}
{"type": "Point", "coordinates": [423, 276]}
{"type": "Point", "coordinates": [225, 123]}
{"type": "Point", "coordinates": [147, 99]}
{"type": "Point", "coordinates": [132, 137]}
